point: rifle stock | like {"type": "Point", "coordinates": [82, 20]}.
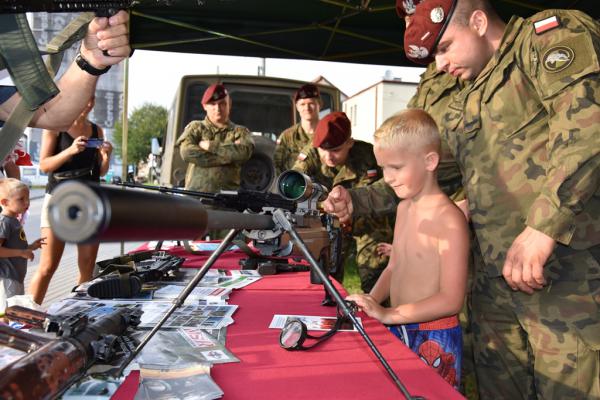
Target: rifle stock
{"type": "Point", "coordinates": [52, 365]}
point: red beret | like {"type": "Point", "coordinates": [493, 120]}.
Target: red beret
{"type": "Point", "coordinates": [213, 93]}
{"type": "Point", "coordinates": [332, 131]}
{"type": "Point", "coordinates": [406, 7]}
{"type": "Point", "coordinates": [308, 91]}
{"type": "Point", "coordinates": [427, 25]}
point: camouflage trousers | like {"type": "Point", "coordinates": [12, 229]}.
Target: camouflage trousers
{"type": "Point", "coordinates": [368, 277]}
{"type": "Point", "coordinates": [545, 345]}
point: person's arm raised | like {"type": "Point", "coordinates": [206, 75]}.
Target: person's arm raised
{"type": "Point", "coordinates": [76, 85]}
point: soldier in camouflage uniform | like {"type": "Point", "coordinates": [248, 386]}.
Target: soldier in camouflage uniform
{"type": "Point", "coordinates": [215, 147]}
{"type": "Point", "coordinates": [525, 134]}
{"type": "Point", "coordinates": [334, 158]}
{"type": "Point", "coordinates": [291, 141]}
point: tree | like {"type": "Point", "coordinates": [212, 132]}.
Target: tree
{"type": "Point", "coordinates": [146, 122]}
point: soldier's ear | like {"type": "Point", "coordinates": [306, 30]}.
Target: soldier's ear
{"type": "Point", "coordinates": [432, 159]}
{"type": "Point", "coordinates": [479, 22]}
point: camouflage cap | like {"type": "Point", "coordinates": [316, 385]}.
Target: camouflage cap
{"type": "Point", "coordinates": [427, 26]}
{"type": "Point", "coordinates": [213, 93]}
{"type": "Point", "coordinates": [308, 91]}
{"type": "Point", "coordinates": [332, 131]}
{"type": "Point", "coordinates": [406, 8]}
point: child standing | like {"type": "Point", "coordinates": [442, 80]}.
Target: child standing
{"type": "Point", "coordinates": [14, 250]}
{"type": "Point", "coordinates": [426, 276]}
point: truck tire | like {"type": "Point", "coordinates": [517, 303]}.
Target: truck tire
{"type": "Point", "coordinates": [258, 172]}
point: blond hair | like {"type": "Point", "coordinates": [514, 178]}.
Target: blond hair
{"type": "Point", "coordinates": [412, 129]}
{"type": "Point", "coordinates": [8, 187]}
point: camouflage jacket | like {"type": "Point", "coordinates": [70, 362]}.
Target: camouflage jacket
{"type": "Point", "coordinates": [526, 135]}
{"type": "Point", "coordinates": [217, 168]}
{"type": "Point", "coordinates": [359, 170]}
{"type": "Point", "coordinates": [434, 93]}
{"type": "Point", "coordinates": [289, 144]}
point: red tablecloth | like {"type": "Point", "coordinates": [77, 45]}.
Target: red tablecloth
{"type": "Point", "coordinates": [344, 367]}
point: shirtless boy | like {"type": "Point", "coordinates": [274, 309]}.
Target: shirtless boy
{"type": "Point", "coordinates": [426, 276]}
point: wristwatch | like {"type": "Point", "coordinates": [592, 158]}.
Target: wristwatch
{"type": "Point", "coordinates": [89, 68]}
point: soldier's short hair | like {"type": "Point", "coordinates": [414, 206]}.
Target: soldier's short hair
{"type": "Point", "coordinates": [411, 129]}
{"type": "Point", "coordinates": [464, 9]}
{"type": "Point", "coordinates": [8, 186]}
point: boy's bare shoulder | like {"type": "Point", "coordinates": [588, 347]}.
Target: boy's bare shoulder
{"type": "Point", "coordinates": [450, 215]}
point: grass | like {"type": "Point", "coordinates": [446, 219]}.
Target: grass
{"type": "Point", "coordinates": [351, 279]}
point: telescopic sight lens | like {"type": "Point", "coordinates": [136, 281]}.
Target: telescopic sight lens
{"type": "Point", "coordinates": [292, 185]}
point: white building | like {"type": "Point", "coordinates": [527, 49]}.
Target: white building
{"type": "Point", "coordinates": [368, 108]}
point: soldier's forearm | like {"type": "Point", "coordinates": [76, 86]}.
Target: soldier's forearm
{"type": "Point", "coordinates": [374, 199]}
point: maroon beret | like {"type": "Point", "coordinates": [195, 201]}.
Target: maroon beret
{"type": "Point", "coordinates": [427, 25]}
{"type": "Point", "coordinates": [213, 93]}
{"type": "Point", "coordinates": [332, 131]}
{"type": "Point", "coordinates": [406, 7]}
{"type": "Point", "coordinates": [308, 91]}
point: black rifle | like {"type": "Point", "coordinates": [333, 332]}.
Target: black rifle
{"type": "Point", "coordinates": [102, 8]}
{"type": "Point", "coordinates": [240, 200]}
{"type": "Point", "coordinates": [123, 277]}
{"type": "Point", "coordinates": [52, 365]}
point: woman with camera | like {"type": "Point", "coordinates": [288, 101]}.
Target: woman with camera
{"type": "Point", "coordinates": [80, 153]}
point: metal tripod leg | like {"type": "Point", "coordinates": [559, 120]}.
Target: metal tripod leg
{"type": "Point", "coordinates": [281, 220]}
{"type": "Point", "coordinates": [182, 296]}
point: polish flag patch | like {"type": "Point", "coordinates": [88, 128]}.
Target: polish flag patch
{"type": "Point", "coordinates": [371, 173]}
{"type": "Point", "coordinates": [302, 156]}
{"type": "Point", "coordinates": [546, 24]}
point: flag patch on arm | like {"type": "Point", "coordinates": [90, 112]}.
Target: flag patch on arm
{"type": "Point", "coordinates": [371, 173]}
{"type": "Point", "coordinates": [546, 24]}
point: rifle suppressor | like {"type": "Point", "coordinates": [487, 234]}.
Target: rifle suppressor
{"type": "Point", "coordinates": [80, 213]}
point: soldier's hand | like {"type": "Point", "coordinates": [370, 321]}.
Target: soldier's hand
{"type": "Point", "coordinates": [525, 259]}
{"type": "Point", "coordinates": [204, 144]}
{"type": "Point", "coordinates": [339, 203]}
{"type": "Point", "coordinates": [108, 35]}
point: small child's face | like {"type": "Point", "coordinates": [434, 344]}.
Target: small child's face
{"type": "Point", "coordinates": [16, 203]}
{"type": "Point", "coordinates": [404, 170]}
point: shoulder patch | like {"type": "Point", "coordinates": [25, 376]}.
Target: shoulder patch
{"type": "Point", "coordinates": [371, 173]}
{"type": "Point", "coordinates": [301, 156]}
{"type": "Point", "coordinates": [546, 24]}
{"type": "Point", "coordinates": [558, 58]}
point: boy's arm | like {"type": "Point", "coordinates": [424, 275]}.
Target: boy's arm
{"type": "Point", "coordinates": [37, 244]}
{"type": "Point", "coordinates": [7, 253]}
{"type": "Point", "coordinates": [381, 289]}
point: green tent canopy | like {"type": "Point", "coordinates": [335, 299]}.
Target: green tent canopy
{"type": "Point", "coordinates": [356, 31]}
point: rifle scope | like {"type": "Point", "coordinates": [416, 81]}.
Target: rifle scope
{"type": "Point", "coordinates": [294, 185]}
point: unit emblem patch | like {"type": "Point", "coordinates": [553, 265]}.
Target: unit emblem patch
{"type": "Point", "coordinates": [558, 58]}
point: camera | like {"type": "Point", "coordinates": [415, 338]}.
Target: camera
{"type": "Point", "coordinates": [95, 143]}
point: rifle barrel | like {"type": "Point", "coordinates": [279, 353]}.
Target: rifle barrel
{"type": "Point", "coordinates": [80, 213]}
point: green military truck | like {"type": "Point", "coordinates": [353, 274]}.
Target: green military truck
{"type": "Point", "coordinates": [264, 105]}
